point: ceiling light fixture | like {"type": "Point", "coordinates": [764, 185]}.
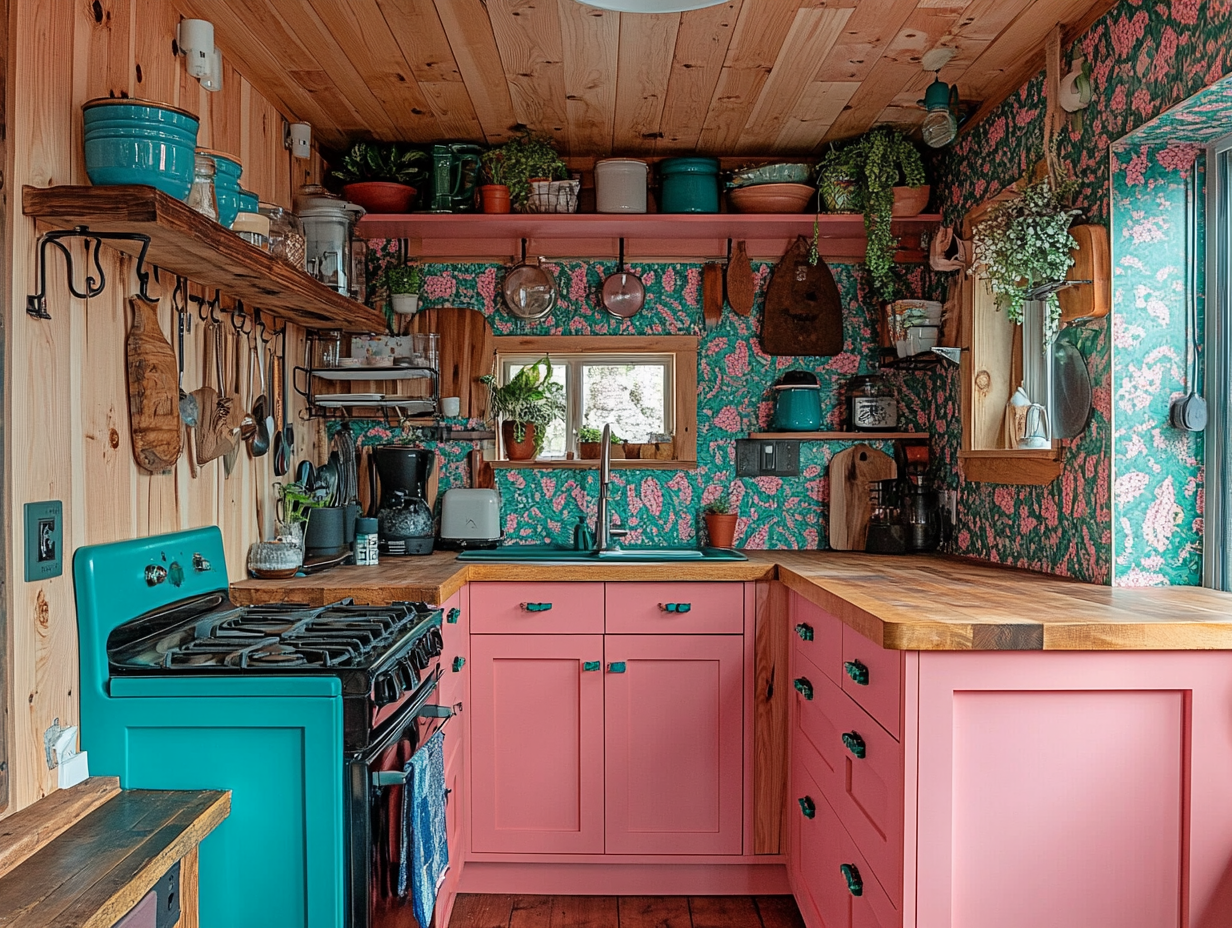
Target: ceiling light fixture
{"type": "Point", "coordinates": [651, 6]}
{"type": "Point", "coordinates": [940, 100]}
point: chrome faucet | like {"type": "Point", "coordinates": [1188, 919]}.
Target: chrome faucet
{"type": "Point", "coordinates": [604, 533]}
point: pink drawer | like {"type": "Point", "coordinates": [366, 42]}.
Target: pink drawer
{"type": "Point", "coordinates": [674, 608]}
{"type": "Point", "coordinates": [817, 853]}
{"type": "Point", "coordinates": [873, 907]}
{"type": "Point", "coordinates": [816, 741]}
{"type": "Point", "coordinates": [536, 608]}
{"type": "Point", "coordinates": [873, 677]}
{"type": "Point", "coordinates": [818, 636]}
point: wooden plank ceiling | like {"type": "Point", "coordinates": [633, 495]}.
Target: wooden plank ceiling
{"type": "Point", "coordinates": [743, 77]}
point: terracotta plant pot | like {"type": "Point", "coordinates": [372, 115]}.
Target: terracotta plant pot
{"type": "Point", "coordinates": [910, 201]}
{"type": "Point", "coordinates": [495, 198]}
{"type": "Point", "coordinates": [721, 528]}
{"type": "Point", "coordinates": [378, 196]}
{"type": "Point", "coordinates": [518, 450]}
{"type": "Point", "coordinates": [633, 450]}
{"type": "Point", "coordinates": [589, 450]}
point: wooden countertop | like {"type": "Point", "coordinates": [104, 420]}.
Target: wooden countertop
{"type": "Point", "coordinates": [909, 603]}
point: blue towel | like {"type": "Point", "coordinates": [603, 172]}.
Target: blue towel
{"type": "Point", "coordinates": [424, 838]}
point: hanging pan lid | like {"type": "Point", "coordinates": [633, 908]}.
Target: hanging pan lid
{"type": "Point", "coordinates": [529, 290]}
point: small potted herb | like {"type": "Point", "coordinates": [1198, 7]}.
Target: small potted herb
{"type": "Point", "coordinates": [495, 193]}
{"type": "Point", "coordinates": [590, 443]}
{"type": "Point", "coordinates": [527, 405]}
{"type": "Point", "coordinates": [404, 285]}
{"type": "Point", "coordinates": [381, 177]}
{"type": "Point", "coordinates": [720, 522]}
{"type": "Point", "coordinates": [523, 159]}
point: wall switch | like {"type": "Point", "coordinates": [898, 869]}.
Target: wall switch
{"type": "Point", "coordinates": [44, 540]}
{"type": "Point", "coordinates": [765, 458]}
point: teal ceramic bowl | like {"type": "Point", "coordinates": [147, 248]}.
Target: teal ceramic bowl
{"type": "Point", "coordinates": [689, 185]}
{"type": "Point", "coordinates": [249, 201]}
{"type": "Point", "coordinates": [139, 142]}
{"type": "Point", "coordinates": [227, 171]}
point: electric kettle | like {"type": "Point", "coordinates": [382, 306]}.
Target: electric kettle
{"type": "Point", "coordinates": [455, 171]}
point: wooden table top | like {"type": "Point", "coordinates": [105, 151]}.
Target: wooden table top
{"type": "Point", "coordinates": [908, 603]}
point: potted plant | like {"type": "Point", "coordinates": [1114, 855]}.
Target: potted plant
{"type": "Point", "coordinates": [404, 285]}
{"type": "Point", "coordinates": [1023, 242]}
{"type": "Point", "coordinates": [526, 158]}
{"type": "Point", "coordinates": [527, 405]}
{"type": "Point", "coordinates": [495, 193]}
{"type": "Point", "coordinates": [863, 176]}
{"type": "Point", "coordinates": [590, 442]}
{"type": "Point", "coordinates": [720, 522]}
{"type": "Point", "coordinates": [380, 177]}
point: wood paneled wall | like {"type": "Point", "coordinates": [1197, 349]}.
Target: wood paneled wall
{"type": "Point", "coordinates": [66, 407]}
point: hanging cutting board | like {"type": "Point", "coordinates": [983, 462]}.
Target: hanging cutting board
{"type": "Point", "coordinates": [712, 294]}
{"type": "Point", "coordinates": [153, 392]}
{"type": "Point", "coordinates": [1093, 262]}
{"type": "Point", "coordinates": [468, 351]}
{"type": "Point", "coordinates": [740, 286]}
{"type": "Point", "coordinates": [804, 314]}
{"type": "Point", "coordinates": [851, 472]}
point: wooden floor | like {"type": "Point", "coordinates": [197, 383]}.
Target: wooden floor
{"type": "Point", "coordinates": [492, 911]}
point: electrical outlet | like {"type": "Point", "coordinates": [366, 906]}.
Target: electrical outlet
{"type": "Point", "coordinates": [44, 540]}
{"type": "Point", "coordinates": [766, 458]}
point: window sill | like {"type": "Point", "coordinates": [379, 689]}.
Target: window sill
{"type": "Point", "coordinates": [1013, 468]}
{"type": "Point", "coordinates": [593, 464]}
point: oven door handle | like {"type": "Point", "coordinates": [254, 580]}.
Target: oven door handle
{"type": "Point", "coordinates": [397, 726]}
{"type": "Point", "coordinates": [383, 778]}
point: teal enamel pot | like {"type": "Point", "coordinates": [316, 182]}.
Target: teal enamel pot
{"type": "Point", "coordinates": [227, 171]}
{"type": "Point", "coordinates": [138, 142]}
{"type": "Point", "coordinates": [689, 185]}
{"type": "Point", "coordinates": [797, 402]}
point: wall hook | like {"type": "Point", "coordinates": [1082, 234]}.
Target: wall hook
{"type": "Point", "coordinates": [36, 303]}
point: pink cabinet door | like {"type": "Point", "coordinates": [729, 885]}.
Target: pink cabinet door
{"type": "Point", "coordinates": [674, 718]}
{"type": "Point", "coordinates": [674, 608]}
{"type": "Point", "coordinates": [536, 750]}
{"type": "Point", "coordinates": [817, 854]}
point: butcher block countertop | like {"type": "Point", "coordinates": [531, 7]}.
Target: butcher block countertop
{"type": "Point", "coordinates": [909, 603]}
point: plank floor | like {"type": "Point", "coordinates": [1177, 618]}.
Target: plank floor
{"type": "Point", "coordinates": [499, 911]}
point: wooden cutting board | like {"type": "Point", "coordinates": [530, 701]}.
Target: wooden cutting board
{"type": "Point", "coordinates": [712, 293]}
{"type": "Point", "coordinates": [153, 392]}
{"type": "Point", "coordinates": [482, 477]}
{"type": "Point", "coordinates": [851, 472]}
{"type": "Point", "coordinates": [740, 285]}
{"type": "Point", "coordinates": [1092, 261]}
{"type": "Point", "coordinates": [804, 313]}
{"type": "Point", "coordinates": [468, 352]}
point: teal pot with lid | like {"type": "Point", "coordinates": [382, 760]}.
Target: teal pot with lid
{"type": "Point", "coordinates": [689, 185]}
{"type": "Point", "coordinates": [139, 142]}
{"type": "Point", "coordinates": [797, 402]}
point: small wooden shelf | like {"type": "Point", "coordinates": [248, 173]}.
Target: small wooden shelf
{"type": "Point", "coordinates": [185, 243]}
{"type": "Point", "coordinates": [372, 373]}
{"type": "Point", "coordinates": [618, 463]}
{"type": "Point", "coordinates": [647, 235]}
{"type": "Point", "coordinates": [838, 436]}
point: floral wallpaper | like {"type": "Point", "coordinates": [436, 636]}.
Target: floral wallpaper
{"type": "Point", "coordinates": [734, 380]}
{"type": "Point", "coordinates": [1146, 57]}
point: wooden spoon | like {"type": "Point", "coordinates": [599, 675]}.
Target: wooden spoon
{"type": "Point", "coordinates": [740, 286]}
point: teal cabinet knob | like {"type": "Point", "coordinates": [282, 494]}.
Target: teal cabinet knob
{"type": "Point", "coordinates": [452, 617]}
{"type": "Point", "coordinates": [807, 807]}
{"type": "Point", "coordinates": [616, 667]}
{"type": "Point", "coordinates": [458, 663]}
{"type": "Point", "coordinates": [854, 743]}
{"type": "Point", "coordinates": [592, 665]}
{"type": "Point", "coordinates": [851, 874]}
{"type": "Point", "coordinates": [857, 671]}
{"type": "Point", "coordinates": [537, 607]}
{"type": "Point", "coordinates": [676, 607]}
{"type": "Point", "coordinates": [805, 631]}
{"type": "Point", "coordinates": [803, 687]}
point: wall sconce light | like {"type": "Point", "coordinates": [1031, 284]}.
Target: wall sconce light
{"type": "Point", "coordinates": [1075, 88]}
{"type": "Point", "coordinates": [941, 121]}
{"type": "Point", "coordinates": [202, 59]}
{"type": "Point", "coordinates": [298, 138]}
{"type": "Point", "coordinates": [213, 80]}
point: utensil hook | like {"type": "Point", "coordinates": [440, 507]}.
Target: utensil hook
{"type": "Point", "coordinates": [621, 269]}
{"type": "Point", "coordinates": [244, 325]}
{"type": "Point", "coordinates": [259, 323]}
{"type": "Point", "coordinates": [523, 251]}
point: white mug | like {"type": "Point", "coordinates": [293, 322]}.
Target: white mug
{"type": "Point", "coordinates": [451, 405]}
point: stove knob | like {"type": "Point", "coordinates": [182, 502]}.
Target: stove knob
{"type": "Point", "coordinates": [406, 674]}
{"type": "Point", "coordinates": [387, 690]}
{"type": "Point", "coordinates": [436, 642]}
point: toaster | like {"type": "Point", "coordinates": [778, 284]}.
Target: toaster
{"type": "Point", "coordinates": [470, 519]}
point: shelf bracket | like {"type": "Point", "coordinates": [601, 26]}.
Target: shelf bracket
{"type": "Point", "coordinates": [36, 304]}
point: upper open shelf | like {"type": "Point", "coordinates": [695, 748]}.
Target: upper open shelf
{"type": "Point", "coordinates": [647, 235]}
{"type": "Point", "coordinates": [187, 244]}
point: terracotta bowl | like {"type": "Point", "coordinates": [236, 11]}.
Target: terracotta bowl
{"type": "Point", "coordinates": [772, 198]}
{"type": "Point", "coordinates": [910, 201]}
{"type": "Point", "coordinates": [380, 197]}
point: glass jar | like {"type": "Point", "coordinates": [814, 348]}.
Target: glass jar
{"type": "Point", "coordinates": [871, 406]}
{"type": "Point", "coordinates": [286, 237]}
{"type": "Point", "coordinates": [201, 195]}
{"type": "Point", "coordinates": [328, 349]}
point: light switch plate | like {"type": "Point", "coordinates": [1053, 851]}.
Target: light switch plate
{"type": "Point", "coordinates": [44, 540]}
{"type": "Point", "coordinates": [767, 458]}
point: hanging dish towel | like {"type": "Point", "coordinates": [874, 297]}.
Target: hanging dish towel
{"type": "Point", "coordinates": [425, 851]}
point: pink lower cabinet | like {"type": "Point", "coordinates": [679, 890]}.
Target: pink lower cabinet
{"type": "Point", "coordinates": [536, 758]}
{"type": "Point", "coordinates": [674, 743]}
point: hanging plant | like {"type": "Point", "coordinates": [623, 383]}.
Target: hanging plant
{"type": "Point", "coordinates": [1024, 242]}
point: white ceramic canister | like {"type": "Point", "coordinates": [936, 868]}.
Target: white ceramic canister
{"type": "Point", "coordinates": [620, 185]}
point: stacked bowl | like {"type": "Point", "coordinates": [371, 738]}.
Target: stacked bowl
{"type": "Point", "coordinates": [131, 141]}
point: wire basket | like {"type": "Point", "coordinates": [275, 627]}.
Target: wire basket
{"type": "Point", "coordinates": [553, 196]}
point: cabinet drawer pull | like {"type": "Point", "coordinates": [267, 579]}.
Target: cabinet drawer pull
{"type": "Point", "coordinates": [807, 807]}
{"type": "Point", "coordinates": [676, 607]}
{"type": "Point", "coordinates": [616, 667]}
{"type": "Point", "coordinates": [536, 607]}
{"type": "Point", "coordinates": [592, 665]}
{"type": "Point", "coordinates": [851, 874]}
{"type": "Point", "coordinates": [458, 663]}
{"type": "Point", "coordinates": [854, 743]}
{"type": "Point", "coordinates": [805, 631]}
{"type": "Point", "coordinates": [452, 617]}
{"type": "Point", "coordinates": [803, 687]}
{"type": "Point", "coordinates": [857, 671]}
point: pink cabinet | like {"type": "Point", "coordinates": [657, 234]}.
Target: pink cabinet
{"type": "Point", "coordinates": [674, 609]}
{"type": "Point", "coordinates": [455, 647]}
{"type": "Point", "coordinates": [674, 745]}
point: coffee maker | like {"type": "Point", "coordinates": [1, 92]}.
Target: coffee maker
{"type": "Point", "coordinates": [404, 518]}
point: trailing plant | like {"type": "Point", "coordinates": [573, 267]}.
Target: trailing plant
{"type": "Point", "coordinates": [406, 279]}
{"type": "Point", "coordinates": [1024, 242]}
{"type": "Point", "coordinates": [380, 161]}
{"type": "Point", "coordinates": [876, 162]}
{"type": "Point", "coordinates": [523, 157]}
{"type": "Point", "coordinates": [719, 506]}
{"type": "Point", "coordinates": [530, 397]}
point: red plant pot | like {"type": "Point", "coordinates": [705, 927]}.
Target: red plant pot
{"type": "Point", "coordinates": [377, 196]}
{"type": "Point", "coordinates": [518, 450]}
{"type": "Point", "coordinates": [910, 201]}
{"type": "Point", "coordinates": [495, 198]}
{"type": "Point", "coordinates": [721, 527]}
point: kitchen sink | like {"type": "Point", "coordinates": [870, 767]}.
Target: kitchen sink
{"type": "Point", "coordinates": [551, 554]}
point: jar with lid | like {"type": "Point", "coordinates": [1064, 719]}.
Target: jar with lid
{"type": "Point", "coordinates": [286, 237]}
{"type": "Point", "coordinates": [201, 195]}
{"type": "Point", "coordinates": [871, 406]}
{"type": "Point", "coordinates": [367, 552]}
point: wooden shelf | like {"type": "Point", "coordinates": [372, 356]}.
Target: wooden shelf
{"type": "Point", "coordinates": [647, 235]}
{"type": "Point", "coordinates": [838, 436]}
{"type": "Point", "coordinates": [618, 463]}
{"type": "Point", "coordinates": [185, 243]}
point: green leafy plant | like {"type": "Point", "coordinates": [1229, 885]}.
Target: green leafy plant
{"type": "Point", "coordinates": [381, 161]}
{"type": "Point", "coordinates": [530, 397]}
{"type": "Point", "coordinates": [407, 279]}
{"type": "Point", "coordinates": [876, 162]}
{"type": "Point", "coordinates": [295, 502]}
{"type": "Point", "coordinates": [719, 506]}
{"type": "Point", "coordinates": [522, 158]}
{"type": "Point", "coordinates": [589, 435]}
{"type": "Point", "coordinates": [493, 164]}
{"type": "Point", "coordinates": [1024, 242]}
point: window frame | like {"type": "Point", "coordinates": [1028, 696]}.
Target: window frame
{"type": "Point", "coordinates": [1215, 366]}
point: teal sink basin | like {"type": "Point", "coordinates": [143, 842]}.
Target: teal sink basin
{"type": "Point", "coordinates": [550, 554]}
